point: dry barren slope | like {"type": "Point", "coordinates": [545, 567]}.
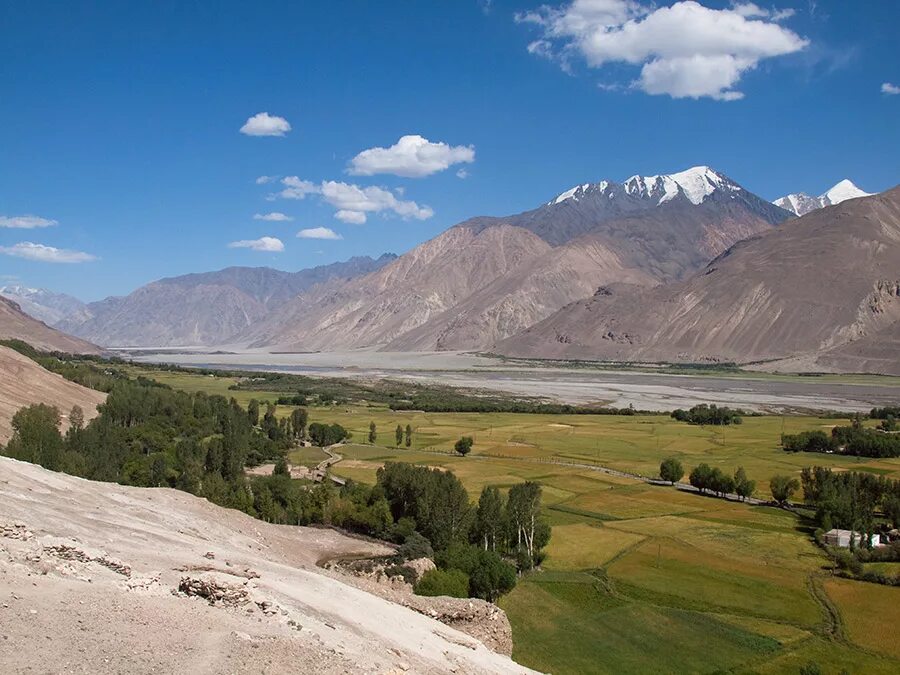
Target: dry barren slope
{"type": "Point", "coordinates": [825, 287]}
{"type": "Point", "coordinates": [15, 324]}
{"type": "Point", "coordinates": [97, 577]}
{"type": "Point", "coordinates": [23, 382]}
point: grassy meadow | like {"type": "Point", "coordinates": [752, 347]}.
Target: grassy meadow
{"type": "Point", "coordinates": [642, 578]}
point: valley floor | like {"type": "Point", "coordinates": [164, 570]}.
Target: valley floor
{"type": "Point", "coordinates": [577, 384]}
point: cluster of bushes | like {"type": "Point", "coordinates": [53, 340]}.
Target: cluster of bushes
{"type": "Point", "coordinates": [847, 440]}
{"type": "Point", "coordinates": [708, 414]}
{"type": "Point", "coordinates": [327, 434]}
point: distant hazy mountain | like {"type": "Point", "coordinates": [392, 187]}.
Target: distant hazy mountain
{"type": "Point", "coordinates": [203, 309]}
{"type": "Point", "coordinates": [16, 324]}
{"type": "Point", "coordinates": [42, 304]}
{"type": "Point", "coordinates": [488, 277]}
{"type": "Point", "coordinates": [801, 203]}
{"type": "Point", "coordinates": [822, 293]}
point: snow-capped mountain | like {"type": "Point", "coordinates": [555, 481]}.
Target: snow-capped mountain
{"type": "Point", "coordinates": [41, 304]}
{"type": "Point", "coordinates": [800, 203]}
{"type": "Point", "coordinates": [694, 184]}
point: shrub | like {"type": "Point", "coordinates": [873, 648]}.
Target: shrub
{"type": "Point", "coordinates": [454, 583]}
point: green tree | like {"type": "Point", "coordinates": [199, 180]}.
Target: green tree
{"type": "Point", "coordinates": [408, 436]}
{"type": "Point", "coordinates": [701, 477]}
{"type": "Point", "coordinates": [492, 577]}
{"type": "Point", "coordinates": [523, 512]}
{"type": "Point", "coordinates": [253, 412]}
{"type": "Point", "coordinates": [488, 528]}
{"type": "Point", "coordinates": [281, 468]}
{"type": "Point", "coordinates": [398, 435]}
{"type": "Point", "coordinates": [373, 434]}
{"type": "Point", "coordinates": [671, 470]}
{"type": "Point", "coordinates": [299, 419]}
{"type": "Point", "coordinates": [783, 488]}
{"type": "Point", "coordinates": [743, 486]}
{"type": "Point", "coordinates": [464, 445]}
{"type": "Point", "coordinates": [36, 436]}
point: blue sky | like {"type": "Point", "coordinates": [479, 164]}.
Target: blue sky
{"type": "Point", "coordinates": [121, 121]}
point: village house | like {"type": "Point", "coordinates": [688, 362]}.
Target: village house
{"type": "Point", "coordinates": [841, 538]}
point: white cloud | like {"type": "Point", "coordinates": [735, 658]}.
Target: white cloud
{"type": "Point", "coordinates": [262, 180]}
{"type": "Point", "coordinates": [319, 233]}
{"type": "Point", "coordinates": [296, 188]}
{"type": "Point", "coordinates": [348, 197]}
{"type": "Point", "coordinates": [31, 251]}
{"type": "Point", "coordinates": [352, 202]}
{"type": "Point", "coordinates": [274, 216]}
{"type": "Point", "coordinates": [25, 222]}
{"type": "Point", "coordinates": [462, 173]}
{"type": "Point", "coordinates": [411, 157]}
{"type": "Point", "coordinates": [352, 217]}
{"type": "Point", "coordinates": [268, 244]}
{"type": "Point", "coordinates": [888, 88]}
{"type": "Point", "coordinates": [264, 124]}
{"type": "Point", "coordinates": [685, 51]}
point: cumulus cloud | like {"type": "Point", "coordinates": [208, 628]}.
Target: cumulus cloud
{"type": "Point", "coordinates": [262, 180]}
{"type": "Point", "coordinates": [264, 124]}
{"type": "Point", "coordinates": [462, 173]}
{"type": "Point", "coordinates": [296, 188]}
{"type": "Point", "coordinates": [31, 251]}
{"type": "Point", "coordinates": [353, 202]}
{"type": "Point", "coordinates": [319, 233]}
{"type": "Point", "coordinates": [267, 244]}
{"type": "Point", "coordinates": [684, 51]}
{"type": "Point", "coordinates": [411, 157]}
{"type": "Point", "coordinates": [888, 88]}
{"type": "Point", "coordinates": [351, 217]}
{"type": "Point", "coordinates": [274, 216]}
{"type": "Point", "coordinates": [348, 197]}
{"type": "Point", "coordinates": [25, 222]}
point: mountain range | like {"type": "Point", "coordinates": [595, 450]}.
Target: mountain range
{"type": "Point", "coordinates": [203, 309]}
{"type": "Point", "coordinates": [42, 304]}
{"type": "Point", "coordinates": [689, 266]}
{"type": "Point", "coordinates": [800, 203]}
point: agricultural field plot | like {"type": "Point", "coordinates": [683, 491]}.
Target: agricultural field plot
{"type": "Point", "coordinates": [869, 612]}
{"type": "Point", "coordinates": [308, 456]}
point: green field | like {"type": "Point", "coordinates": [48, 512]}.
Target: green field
{"type": "Point", "coordinates": [642, 578]}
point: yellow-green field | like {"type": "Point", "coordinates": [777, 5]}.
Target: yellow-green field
{"type": "Point", "coordinates": [642, 578]}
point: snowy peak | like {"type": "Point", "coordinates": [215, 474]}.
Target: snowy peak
{"type": "Point", "coordinates": [842, 192]}
{"type": "Point", "coordinates": [694, 184]}
{"type": "Point", "coordinates": [580, 191]}
{"type": "Point", "coordinates": [800, 203]}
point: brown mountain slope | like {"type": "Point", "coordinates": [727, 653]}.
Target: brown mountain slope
{"type": "Point", "coordinates": [15, 324]}
{"type": "Point", "coordinates": [381, 306]}
{"type": "Point", "coordinates": [23, 382]}
{"type": "Point", "coordinates": [826, 286]}
{"type": "Point", "coordinates": [522, 297]}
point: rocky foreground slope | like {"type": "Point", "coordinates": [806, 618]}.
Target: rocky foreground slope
{"type": "Point", "coordinates": [820, 293]}
{"type": "Point", "coordinates": [101, 578]}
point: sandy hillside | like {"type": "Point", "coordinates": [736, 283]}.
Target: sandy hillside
{"type": "Point", "coordinates": [17, 325]}
{"type": "Point", "coordinates": [97, 577]}
{"type": "Point", "coordinates": [23, 382]}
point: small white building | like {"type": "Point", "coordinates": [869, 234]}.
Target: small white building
{"type": "Point", "coordinates": [842, 538]}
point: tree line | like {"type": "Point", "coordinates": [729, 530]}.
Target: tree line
{"type": "Point", "coordinates": [712, 480]}
{"type": "Point", "coordinates": [855, 440]}
{"type": "Point", "coordinates": [708, 414]}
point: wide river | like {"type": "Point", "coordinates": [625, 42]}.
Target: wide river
{"type": "Point", "coordinates": [646, 391]}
